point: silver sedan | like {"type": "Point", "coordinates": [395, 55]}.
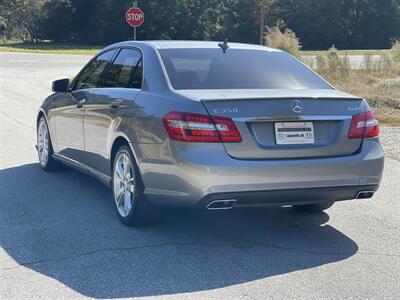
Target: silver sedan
{"type": "Point", "coordinates": [210, 125]}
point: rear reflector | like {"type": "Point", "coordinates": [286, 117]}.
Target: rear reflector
{"type": "Point", "coordinates": [200, 128]}
{"type": "Point", "coordinates": [363, 125]}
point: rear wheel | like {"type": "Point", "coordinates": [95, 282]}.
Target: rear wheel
{"type": "Point", "coordinates": [130, 203]}
{"type": "Point", "coordinates": [313, 207]}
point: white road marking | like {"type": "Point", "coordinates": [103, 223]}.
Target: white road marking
{"type": "Point", "coordinates": [67, 61]}
{"type": "Point", "coordinates": [49, 61]}
{"type": "Point", "coordinates": [23, 61]}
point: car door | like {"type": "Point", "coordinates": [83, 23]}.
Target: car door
{"type": "Point", "coordinates": [70, 110]}
{"type": "Point", "coordinates": [106, 105]}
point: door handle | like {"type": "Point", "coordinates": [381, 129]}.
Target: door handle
{"type": "Point", "coordinates": [81, 103]}
{"type": "Point", "coordinates": [116, 104]}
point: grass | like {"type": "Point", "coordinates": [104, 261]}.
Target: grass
{"type": "Point", "coordinates": [382, 94]}
{"type": "Point", "coordinates": [344, 52]}
{"type": "Point", "coordinates": [54, 48]}
{"type": "Point", "coordinates": [378, 83]}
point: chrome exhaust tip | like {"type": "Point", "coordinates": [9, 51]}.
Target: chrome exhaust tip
{"type": "Point", "coordinates": [365, 194]}
{"type": "Point", "coordinates": [221, 204]}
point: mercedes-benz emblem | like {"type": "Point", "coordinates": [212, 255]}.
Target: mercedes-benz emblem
{"type": "Point", "coordinates": [297, 106]}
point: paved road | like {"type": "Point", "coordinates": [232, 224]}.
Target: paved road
{"type": "Point", "coordinates": [60, 238]}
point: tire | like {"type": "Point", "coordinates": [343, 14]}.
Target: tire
{"type": "Point", "coordinates": [127, 188]}
{"type": "Point", "coordinates": [45, 147]}
{"type": "Point", "coordinates": [313, 207]}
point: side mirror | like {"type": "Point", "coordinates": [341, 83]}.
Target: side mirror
{"type": "Point", "coordinates": [61, 86]}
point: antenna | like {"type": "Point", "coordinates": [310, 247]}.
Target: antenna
{"type": "Point", "coordinates": [224, 46]}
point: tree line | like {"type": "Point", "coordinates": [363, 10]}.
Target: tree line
{"type": "Point", "coordinates": [349, 24]}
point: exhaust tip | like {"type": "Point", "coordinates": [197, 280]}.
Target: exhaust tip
{"type": "Point", "coordinates": [365, 194]}
{"type": "Point", "coordinates": [221, 204]}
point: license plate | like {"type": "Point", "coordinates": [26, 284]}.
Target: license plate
{"type": "Point", "coordinates": [294, 133]}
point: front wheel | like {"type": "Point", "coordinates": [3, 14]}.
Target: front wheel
{"type": "Point", "coordinates": [313, 207]}
{"type": "Point", "coordinates": [130, 203]}
{"type": "Point", "coordinates": [45, 147]}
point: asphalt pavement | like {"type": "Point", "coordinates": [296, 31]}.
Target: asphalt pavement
{"type": "Point", "coordinates": [61, 239]}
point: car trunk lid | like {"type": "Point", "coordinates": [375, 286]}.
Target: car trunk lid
{"type": "Point", "coordinates": [277, 124]}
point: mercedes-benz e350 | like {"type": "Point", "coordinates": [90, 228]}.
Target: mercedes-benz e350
{"type": "Point", "coordinates": [210, 125]}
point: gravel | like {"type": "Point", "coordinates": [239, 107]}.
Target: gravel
{"type": "Point", "coordinates": [390, 140]}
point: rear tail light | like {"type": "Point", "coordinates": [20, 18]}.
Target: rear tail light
{"type": "Point", "coordinates": [200, 128]}
{"type": "Point", "coordinates": [363, 125]}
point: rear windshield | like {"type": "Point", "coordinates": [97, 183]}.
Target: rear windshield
{"type": "Point", "coordinates": [237, 69]}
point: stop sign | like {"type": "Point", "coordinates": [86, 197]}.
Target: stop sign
{"type": "Point", "coordinates": [135, 16]}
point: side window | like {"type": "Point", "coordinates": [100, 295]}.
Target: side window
{"type": "Point", "coordinates": [126, 71]}
{"type": "Point", "coordinates": [92, 75]}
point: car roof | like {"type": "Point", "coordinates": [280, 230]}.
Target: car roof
{"type": "Point", "coordinates": [193, 44]}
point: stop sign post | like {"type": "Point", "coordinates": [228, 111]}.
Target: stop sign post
{"type": "Point", "coordinates": [135, 18]}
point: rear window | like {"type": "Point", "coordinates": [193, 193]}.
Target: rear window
{"type": "Point", "coordinates": [237, 69]}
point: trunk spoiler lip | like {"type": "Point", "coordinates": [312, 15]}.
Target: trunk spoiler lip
{"type": "Point", "coordinates": [263, 94]}
{"type": "Point", "coordinates": [294, 118]}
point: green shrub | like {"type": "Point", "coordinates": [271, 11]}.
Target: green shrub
{"type": "Point", "coordinates": [285, 40]}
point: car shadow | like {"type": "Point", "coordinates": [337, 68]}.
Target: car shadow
{"type": "Point", "coordinates": [63, 225]}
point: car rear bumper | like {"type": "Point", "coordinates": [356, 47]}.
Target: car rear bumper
{"type": "Point", "coordinates": [194, 175]}
{"type": "Point", "coordinates": [288, 197]}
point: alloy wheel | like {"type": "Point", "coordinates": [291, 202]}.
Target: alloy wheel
{"type": "Point", "coordinates": [43, 143]}
{"type": "Point", "coordinates": [124, 184]}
